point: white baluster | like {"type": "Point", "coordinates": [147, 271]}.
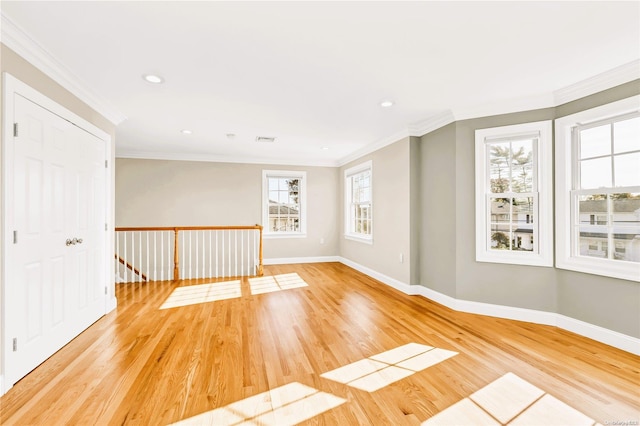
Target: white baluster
{"type": "Point", "coordinates": [190, 258]}
{"type": "Point", "coordinates": [117, 272]}
{"type": "Point", "coordinates": [229, 253]}
{"type": "Point", "coordinates": [162, 256]}
{"type": "Point", "coordinates": [147, 238]}
{"type": "Point", "coordinates": [126, 274]}
{"type": "Point", "coordinates": [217, 232]}
{"type": "Point", "coordinates": [210, 253]}
{"type": "Point", "coordinates": [139, 256]}
{"type": "Point", "coordinates": [197, 256]}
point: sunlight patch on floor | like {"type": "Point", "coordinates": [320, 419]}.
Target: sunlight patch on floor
{"type": "Point", "coordinates": [379, 371]}
{"type": "Point", "coordinates": [261, 285]}
{"type": "Point", "coordinates": [513, 401]}
{"type": "Point", "coordinates": [287, 405]}
{"type": "Point", "coordinates": [202, 293]}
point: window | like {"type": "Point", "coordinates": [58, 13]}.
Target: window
{"type": "Point", "coordinates": [358, 202]}
{"type": "Point", "coordinates": [513, 194]}
{"type": "Point", "coordinates": [598, 190]}
{"type": "Point", "coordinates": [284, 203]}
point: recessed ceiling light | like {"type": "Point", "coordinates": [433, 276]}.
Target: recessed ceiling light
{"type": "Point", "coordinates": [325, 148]}
{"type": "Point", "coordinates": [231, 136]}
{"type": "Point", "coordinates": [386, 104]}
{"type": "Point", "coordinates": [152, 78]}
{"type": "Point", "coordinates": [186, 131]}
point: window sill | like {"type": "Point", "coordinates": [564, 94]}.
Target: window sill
{"type": "Point", "coordinates": [608, 268]}
{"type": "Point", "coordinates": [515, 258]}
{"type": "Point", "coordinates": [365, 240]}
{"type": "Point", "coordinates": [281, 235]}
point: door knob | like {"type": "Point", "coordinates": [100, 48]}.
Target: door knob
{"type": "Point", "coordinates": [69, 242]}
{"type": "Point", "coordinates": [78, 240]}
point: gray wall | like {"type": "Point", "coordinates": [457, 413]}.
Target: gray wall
{"type": "Point", "coordinates": [188, 193]}
{"type": "Point", "coordinates": [447, 257]}
{"type": "Point", "coordinates": [391, 214]}
{"type": "Point", "coordinates": [438, 206]}
{"type": "Point", "coordinates": [528, 287]}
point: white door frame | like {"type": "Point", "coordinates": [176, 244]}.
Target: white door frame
{"type": "Point", "coordinates": [12, 86]}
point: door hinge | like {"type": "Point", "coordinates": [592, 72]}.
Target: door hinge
{"type": "Point", "coordinates": [106, 228]}
{"type": "Point", "coordinates": [15, 344]}
{"type": "Point", "coordinates": [105, 290]}
{"type": "Point", "coordinates": [15, 130]}
{"type": "Point", "coordinates": [106, 164]}
{"type": "Point", "coordinates": [15, 237]}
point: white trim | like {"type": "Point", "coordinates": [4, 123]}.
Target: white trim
{"type": "Point", "coordinates": [591, 331]}
{"type": "Point", "coordinates": [281, 235]}
{"type": "Point", "coordinates": [112, 303]}
{"type": "Point", "coordinates": [348, 173]}
{"type": "Point", "coordinates": [374, 146]}
{"type": "Point", "coordinates": [10, 88]}
{"type": "Point", "coordinates": [431, 123]}
{"type": "Point", "coordinates": [385, 279]}
{"type": "Point", "coordinates": [564, 184]}
{"type": "Point", "coordinates": [181, 156]}
{"type": "Point", "coordinates": [505, 106]}
{"type": "Point", "coordinates": [294, 260]}
{"type": "Point", "coordinates": [603, 81]}
{"type": "Point", "coordinates": [543, 186]}
{"type": "Point", "coordinates": [599, 334]}
{"type": "Point", "coordinates": [598, 83]}
{"type": "Point", "coordinates": [359, 239]}
{"type": "Point", "coordinates": [18, 40]}
{"type": "Point", "coordinates": [302, 202]}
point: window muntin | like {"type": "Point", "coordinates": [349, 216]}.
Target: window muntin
{"type": "Point", "coordinates": [513, 194]}
{"type": "Point", "coordinates": [606, 189]}
{"type": "Point", "coordinates": [512, 197]}
{"type": "Point", "coordinates": [597, 219]}
{"type": "Point", "coordinates": [359, 202]}
{"type": "Point", "coordinates": [284, 203]}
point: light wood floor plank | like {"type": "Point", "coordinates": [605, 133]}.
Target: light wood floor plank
{"type": "Point", "coordinates": [142, 365]}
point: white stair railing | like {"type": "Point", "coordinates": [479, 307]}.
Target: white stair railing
{"type": "Point", "coordinates": [158, 254]}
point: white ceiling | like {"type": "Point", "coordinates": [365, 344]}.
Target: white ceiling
{"type": "Point", "coordinates": [312, 74]}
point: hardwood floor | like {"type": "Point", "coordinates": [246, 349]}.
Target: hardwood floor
{"type": "Point", "coordinates": [144, 365]}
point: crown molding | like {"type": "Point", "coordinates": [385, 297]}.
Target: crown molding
{"type": "Point", "coordinates": [603, 81]}
{"type": "Point", "coordinates": [505, 106]}
{"type": "Point", "coordinates": [18, 40]}
{"type": "Point", "coordinates": [181, 156]}
{"type": "Point", "coordinates": [368, 149]}
{"type": "Point", "coordinates": [431, 123]}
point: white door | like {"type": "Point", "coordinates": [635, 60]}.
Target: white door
{"type": "Point", "coordinates": [56, 284]}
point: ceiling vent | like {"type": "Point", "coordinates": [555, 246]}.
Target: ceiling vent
{"type": "Point", "coordinates": [265, 139]}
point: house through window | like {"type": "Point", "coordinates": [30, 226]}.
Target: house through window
{"type": "Point", "coordinates": [358, 202]}
{"type": "Point", "coordinates": [606, 191]}
{"type": "Point", "coordinates": [598, 190]}
{"type": "Point", "coordinates": [513, 190]}
{"type": "Point", "coordinates": [284, 203]}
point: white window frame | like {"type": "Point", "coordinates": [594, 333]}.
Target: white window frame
{"type": "Point", "coordinates": [348, 226]}
{"type": "Point", "coordinates": [566, 252]}
{"type": "Point", "coordinates": [542, 254]}
{"type": "Point", "coordinates": [302, 194]}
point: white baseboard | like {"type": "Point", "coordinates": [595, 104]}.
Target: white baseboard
{"type": "Point", "coordinates": [597, 333]}
{"type": "Point", "coordinates": [291, 260]}
{"type": "Point", "coordinates": [112, 303]}
{"type": "Point", "coordinates": [392, 282]}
